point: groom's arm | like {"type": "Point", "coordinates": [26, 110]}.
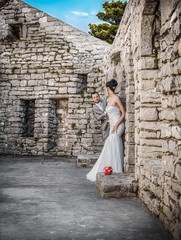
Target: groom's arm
{"type": "Point", "coordinates": [99, 116]}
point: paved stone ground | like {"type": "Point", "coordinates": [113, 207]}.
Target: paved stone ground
{"type": "Point", "coordinates": [50, 199]}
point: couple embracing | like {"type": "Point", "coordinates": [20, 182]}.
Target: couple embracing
{"type": "Point", "coordinates": [111, 113]}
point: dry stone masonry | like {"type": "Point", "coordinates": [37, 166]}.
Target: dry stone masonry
{"type": "Point", "coordinates": [48, 71]}
{"type": "Point", "coordinates": [146, 60]}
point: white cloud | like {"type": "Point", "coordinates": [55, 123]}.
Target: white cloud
{"type": "Point", "coordinates": [82, 14]}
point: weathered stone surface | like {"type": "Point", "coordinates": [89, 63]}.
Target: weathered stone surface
{"type": "Point", "coordinates": [178, 172]}
{"type": "Point", "coordinates": [86, 160]}
{"type": "Point", "coordinates": [117, 185]}
{"type": "Point", "coordinates": [148, 114]}
{"type": "Point", "coordinates": [148, 62]}
{"type": "Point", "coordinates": [48, 62]}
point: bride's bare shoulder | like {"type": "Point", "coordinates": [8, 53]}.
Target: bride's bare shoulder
{"type": "Point", "coordinates": [117, 98]}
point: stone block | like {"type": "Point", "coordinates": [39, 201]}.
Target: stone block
{"type": "Point", "coordinates": [130, 127]}
{"type": "Point", "coordinates": [86, 160]}
{"type": "Point", "coordinates": [178, 114]}
{"type": "Point", "coordinates": [130, 98]}
{"type": "Point", "coordinates": [148, 63]}
{"type": "Point", "coordinates": [149, 114]}
{"type": "Point", "coordinates": [130, 154]}
{"type": "Point", "coordinates": [168, 165]}
{"type": "Point", "coordinates": [176, 132]}
{"type": "Point", "coordinates": [178, 172]}
{"type": "Point", "coordinates": [62, 90]}
{"type": "Point", "coordinates": [167, 8]}
{"type": "Point", "coordinates": [176, 186]}
{"type": "Point", "coordinates": [147, 85]}
{"type": "Point", "coordinates": [149, 8]}
{"type": "Point", "coordinates": [146, 134]}
{"type": "Point", "coordinates": [166, 130]}
{"type": "Point", "coordinates": [130, 107]}
{"type": "Point", "coordinates": [146, 35]}
{"type": "Point", "coordinates": [116, 185]}
{"type": "Point", "coordinates": [130, 137]}
{"type": "Point", "coordinates": [43, 20]}
{"type": "Point", "coordinates": [129, 168]}
{"type": "Point", "coordinates": [150, 97]}
{"type": "Point", "coordinates": [71, 90]}
{"type": "Point", "coordinates": [170, 146]}
{"type": "Point", "coordinates": [167, 114]}
{"type": "Point", "coordinates": [168, 213]}
{"type": "Point", "coordinates": [151, 142]}
{"type": "Point", "coordinates": [168, 84]}
{"type": "Point", "coordinates": [149, 74]}
{"type": "Point", "coordinates": [154, 126]}
{"type": "Point", "coordinates": [150, 151]}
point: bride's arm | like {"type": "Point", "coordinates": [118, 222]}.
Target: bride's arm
{"type": "Point", "coordinates": [120, 105]}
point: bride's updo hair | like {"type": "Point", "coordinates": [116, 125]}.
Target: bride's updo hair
{"type": "Point", "coordinates": [112, 84]}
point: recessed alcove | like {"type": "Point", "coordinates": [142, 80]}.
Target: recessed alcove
{"type": "Point", "coordinates": [14, 32]}
{"type": "Point", "coordinates": [81, 83]}
{"type": "Point", "coordinates": [27, 115]}
{"type": "Point", "coordinates": [57, 124]}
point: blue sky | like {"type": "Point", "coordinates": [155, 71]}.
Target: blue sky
{"type": "Point", "coordinates": [78, 13]}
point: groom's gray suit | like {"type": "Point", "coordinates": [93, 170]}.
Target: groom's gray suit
{"type": "Point", "coordinates": [100, 115]}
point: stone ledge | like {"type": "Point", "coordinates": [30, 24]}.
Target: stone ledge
{"type": "Point", "coordinates": [117, 185]}
{"type": "Point", "coordinates": [87, 160]}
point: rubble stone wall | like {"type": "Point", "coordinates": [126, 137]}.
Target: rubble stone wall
{"type": "Point", "coordinates": [145, 59]}
{"type": "Point", "coordinates": [46, 60]}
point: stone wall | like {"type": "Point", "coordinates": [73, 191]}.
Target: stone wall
{"type": "Point", "coordinates": [145, 59]}
{"type": "Point", "coordinates": [54, 66]}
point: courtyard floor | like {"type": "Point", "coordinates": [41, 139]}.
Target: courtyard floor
{"type": "Point", "coordinates": [50, 199]}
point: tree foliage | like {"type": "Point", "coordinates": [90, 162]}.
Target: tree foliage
{"type": "Point", "coordinates": [113, 12]}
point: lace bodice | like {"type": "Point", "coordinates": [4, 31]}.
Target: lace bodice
{"type": "Point", "coordinates": [113, 114]}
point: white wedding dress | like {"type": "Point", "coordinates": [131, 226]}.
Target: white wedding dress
{"type": "Point", "coordinates": [112, 153]}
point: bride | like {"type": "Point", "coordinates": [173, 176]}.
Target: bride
{"type": "Point", "coordinates": [112, 153]}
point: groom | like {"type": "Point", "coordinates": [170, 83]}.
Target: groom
{"type": "Point", "coordinates": [100, 114]}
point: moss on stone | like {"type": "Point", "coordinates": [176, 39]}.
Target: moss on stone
{"type": "Point", "coordinates": [152, 195]}
{"type": "Point", "coordinates": [82, 94]}
{"type": "Point", "coordinates": [96, 70]}
{"type": "Point", "coordinates": [160, 209]}
{"type": "Point", "coordinates": [16, 18]}
{"type": "Point", "coordinates": [79, 133]}
{"type": "Point", "coordinates": [73, 125]}
{"type": "Point", "coordinates": [115, 58]}
{"type": "Point", "coordinates": [13, 69]}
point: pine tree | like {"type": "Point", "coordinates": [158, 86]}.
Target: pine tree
{"type": "Point", "coordinates": [113, 12]}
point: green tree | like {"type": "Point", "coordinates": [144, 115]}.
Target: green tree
{"type": "Point", "coordinates": [113, 12]}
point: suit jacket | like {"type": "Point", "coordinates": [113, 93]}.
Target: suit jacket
{"type": "Point", "coordinates": [100, 116]}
